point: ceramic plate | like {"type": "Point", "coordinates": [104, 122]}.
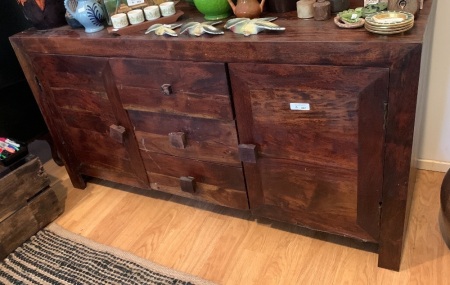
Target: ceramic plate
{"type": "Point", "coordinates": [388, 27]}
{"type": "Point", "coordinates": [390, 18]}
{"type": "Point", "coordinates": [389, 31]}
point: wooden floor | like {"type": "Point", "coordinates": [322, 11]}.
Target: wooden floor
{"type": "Point", "coordinates": [229, 247]}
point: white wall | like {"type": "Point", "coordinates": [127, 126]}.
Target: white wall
{"type": "Point", "coordinates": [434, 148]}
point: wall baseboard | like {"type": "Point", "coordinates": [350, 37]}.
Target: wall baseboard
{"type": "Point", "coordinates": [433, 165]}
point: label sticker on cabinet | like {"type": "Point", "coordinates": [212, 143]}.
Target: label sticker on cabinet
{"type": "Point", "coordinates": [300, 106]}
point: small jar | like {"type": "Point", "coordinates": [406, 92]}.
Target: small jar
{"type": "Point", "coordinates": [322, 10]}
{"type": "Point", "coordinates": [305, 9]}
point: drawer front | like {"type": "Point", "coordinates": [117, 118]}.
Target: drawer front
{"type": "Point", "coordinates": [319, 137]}
{"type": "Point", "coordinates": [195, 89]}
{"type": "Point", "coordinates": [83, 115]}
{"type": "Point", "coordinates": [210, 182]}
{"type": "Point", "coordinates": [204, 139]}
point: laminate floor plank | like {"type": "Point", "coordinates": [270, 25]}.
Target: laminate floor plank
{"type": "Point", "coordinates": [230, 247]}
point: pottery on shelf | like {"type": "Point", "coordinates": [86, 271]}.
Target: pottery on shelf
{"type": "Point", "coordinates": [198, 29]}
{"type": "Point", "coordinates": [247, 27]}
{"type": "Point", "coordinates": [247, 8]}
{"type": "Point", "coordinates": [88, 13]}
{"type": "Point", "coordinates": [213, 9]}
{"type": "Point", "coordinates": [163, 29]}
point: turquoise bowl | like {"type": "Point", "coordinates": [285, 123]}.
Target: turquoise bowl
{"type": "Point", "coordinates": [213, 9]}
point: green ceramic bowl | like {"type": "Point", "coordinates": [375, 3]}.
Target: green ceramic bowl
{"type": "Point", "coordinates": [213, 9]}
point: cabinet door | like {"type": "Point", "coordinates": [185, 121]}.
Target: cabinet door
{"type": "Point", "coordinates": [319, 138]}
{"type": "Point", "coordinates": [75, 94]}
{"type": "Point", "coordinates": [184, 124]}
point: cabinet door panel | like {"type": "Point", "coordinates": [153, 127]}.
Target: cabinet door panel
{"type": "Point", "coordinates": [320, 161]}
{"type": "Point", "coordinates": [219, 184]}
{"type": "Point", "coordinates": [75, 92]}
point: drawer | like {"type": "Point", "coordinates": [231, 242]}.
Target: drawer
{"type": "Point", "coordinates": [205, 139]}
{"type": "Point", "coordinates": [214, 183]}
{"type": "Point", "coordinates": [197, 89]}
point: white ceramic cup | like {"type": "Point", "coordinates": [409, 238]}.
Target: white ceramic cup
{"type": "Point", "coordinates": [136, 16]}
{"type": "Point", "coordinates": [305, 9]}
{"type": "Point", "coordinates": [119, 20]}
{"type": "Point", "coordinates": [167, 8]}
{"type": "Point", "coordinates": [152, 12]}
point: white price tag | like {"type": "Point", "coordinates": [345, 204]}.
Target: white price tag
{"type": "Point", "coordinates": [299, 106]}
{"type": "Point", "coordinates": [367, 2]}
{"type": "Point", "coordinates": [135, 2]}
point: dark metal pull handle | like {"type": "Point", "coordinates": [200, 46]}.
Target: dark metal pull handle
{"type": "Point", "coordinates": [166, 89]}
{"type": "Point", "coordinates": [247, 153]}
{"type": "Point", "coordinates": [117, 133]}
{"type": "Point", "coordinates": [187, 184]}
{"type": "Point", "coordinates": [177, 140]}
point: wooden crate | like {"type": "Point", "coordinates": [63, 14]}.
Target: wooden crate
{"type": "Point", "coordinates": [27, 202]}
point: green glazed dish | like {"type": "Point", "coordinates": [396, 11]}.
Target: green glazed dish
{"type": "Point", "coordinates": [213, 9]}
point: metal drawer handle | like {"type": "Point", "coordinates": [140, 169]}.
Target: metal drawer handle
{"type": "Point", "coordinates": [187, 184]}
{"type": "Point", "coordinates": [177, 140]}
{"type": "Point", "coordinates": [166, 89]}
{"type": "Point", "coordinates": [117, 133]}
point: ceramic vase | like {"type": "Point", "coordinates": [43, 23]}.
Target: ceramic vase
{"type": "Point", "coordinates": [89, 13]}
{"type": "Point", "coordinates": [247, 8]}
{"type": "Point", "coordinates": [213, 9]}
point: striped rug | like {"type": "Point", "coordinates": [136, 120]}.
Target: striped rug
{"type": "Point", "coordinates": [56, 256]}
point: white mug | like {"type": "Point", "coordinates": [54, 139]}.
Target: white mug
{"type": "Point", "coordinates": [119, 20]}
{"type": "Point", "coordinates": [167, 8]}
{"type": "Point", "coordinates": [136, 16]}
{"type": "Point", "coordinates": [152, 12]}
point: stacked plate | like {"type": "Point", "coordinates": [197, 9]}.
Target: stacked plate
{"type": "Point", "coordinates": [389, 22]}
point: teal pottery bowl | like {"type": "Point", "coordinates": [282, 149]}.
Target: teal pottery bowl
{"type": "Point", "coordinates": [213, 9]}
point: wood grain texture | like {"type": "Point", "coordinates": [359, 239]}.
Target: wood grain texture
{"type": "Point", "coordinates": [209, 140]}
{"type": "Point", "coordinates": [229, 247]}
{"type": "Point", "coordinates": [321, 167]}
{"type": "Point", "coordinates": [399, 140]}
{"type": "Point", "coordinates": [220, 184]}
{"type": "Point", "coordinates": [27, 203]}
{"type": "Point", "coordinates": [316, 44]}
{"type": "Point", "coordinates": [200, 89]}
{"type": "Point", "coordinates": [77, 95]}
{"type": "Point", "coordinates": [20, 185]}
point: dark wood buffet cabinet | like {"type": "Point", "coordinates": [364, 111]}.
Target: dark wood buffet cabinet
{"type": "Point", "coordinates": [313, 126]}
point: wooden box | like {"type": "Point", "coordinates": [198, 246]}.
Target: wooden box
{"type": "Point", "coordinates": [27, 202]}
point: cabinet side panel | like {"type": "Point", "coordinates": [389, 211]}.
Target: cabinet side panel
{"type": "Point", "coordinates": [397, 191]}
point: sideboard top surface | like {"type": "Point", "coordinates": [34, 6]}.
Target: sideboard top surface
{"type": "Point", "coordinates": [303, 41]}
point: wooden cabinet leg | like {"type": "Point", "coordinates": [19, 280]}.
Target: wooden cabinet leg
{"type": "Point", "coordinates": [55, 154]}
{"type": "Point", "coordinates": [444, 216]}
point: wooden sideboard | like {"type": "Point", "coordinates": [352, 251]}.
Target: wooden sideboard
{"type": "Point", "coordinates": [210, 118]}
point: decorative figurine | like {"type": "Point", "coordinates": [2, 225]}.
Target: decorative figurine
{"type": "Point", "coordinates": [248, 27]}
{"type": "Point", "coordinates": [198, 29]}
{"type": "Point", "coordinates": [163, 29]}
